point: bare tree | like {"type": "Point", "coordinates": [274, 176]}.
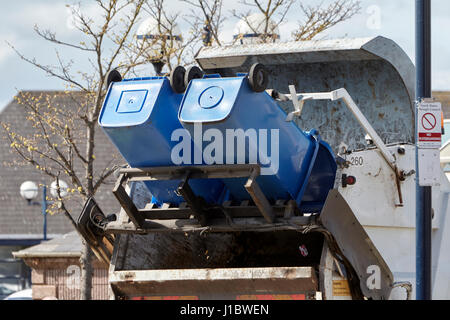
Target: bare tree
{"type": "Point", "coordinates": [320, 18]}
{"type": "Point", "coordinates": [271, 15]}
{"type": "Point", "coordinates": [63, 142]}
{"type": "Point", "coordinates": [209, 13]}
{"type": "Point", "coordinates": [263, 18]}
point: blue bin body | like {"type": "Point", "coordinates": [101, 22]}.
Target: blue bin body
{"type": "Point", "coordinates": [139, 116]}
{"type": "Point", "coordinates": [307, 167]}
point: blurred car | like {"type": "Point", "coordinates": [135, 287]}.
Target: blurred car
{"type": "Point", "coordinates": [4, 292]}
{"type": "Point", "coordinates": [20, 295]}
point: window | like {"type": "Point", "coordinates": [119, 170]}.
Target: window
{"type": "Point", "coordinates": [14, 274]}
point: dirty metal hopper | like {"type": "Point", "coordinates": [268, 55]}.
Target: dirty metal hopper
{"type": "Point", "coordinates": [375, 71]}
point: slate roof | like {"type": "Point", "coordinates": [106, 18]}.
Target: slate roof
{"type": "Point", "coordinates": [18, 220]}
{"type": "Point", "coordinates": [68, 245]}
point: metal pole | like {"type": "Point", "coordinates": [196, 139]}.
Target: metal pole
{"type": "Point", "coordinates": [423, 194]}
{"type": "Point", "coordinates": [44, 210]}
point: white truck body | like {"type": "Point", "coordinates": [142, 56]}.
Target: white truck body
{"type": "Point", "coordinates": [365, 240]}
{"type": "Point", "coordinates": [374, 201]}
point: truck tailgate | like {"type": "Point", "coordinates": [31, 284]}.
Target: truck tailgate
{"type": "Point", "coordinates": [210, 284]}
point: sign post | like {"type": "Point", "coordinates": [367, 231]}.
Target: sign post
{"type": "Point", "coordinates": [429, 135]}
{"type": "Point", "coordinates": [423, 193]}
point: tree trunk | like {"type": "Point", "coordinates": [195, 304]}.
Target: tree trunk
{"type": "Point", "coordinates": [86, 272]}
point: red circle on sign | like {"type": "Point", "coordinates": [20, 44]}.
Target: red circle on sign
{"type": "Point", "coordinates": [429, 121]}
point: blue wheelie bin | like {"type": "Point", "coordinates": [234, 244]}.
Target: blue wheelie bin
{"type": "Point", "coordinates": [296, 164]}
{"type": "Point", "coordinates": [139, 116]}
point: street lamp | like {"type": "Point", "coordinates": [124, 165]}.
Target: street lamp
{"type": "Point", "coordinates": [29, 191]}
{"type": "Point", "coordinates": [255, 28]}
{"type": "Point", "coordinates": [62, 189]}
{"type": "Point", "coordinates": [149, 36]}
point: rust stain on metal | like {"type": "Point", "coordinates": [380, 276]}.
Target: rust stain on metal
{"type": "Point", "coordinates": [378, 173]}
{"type": "Point", "coordinates": [372, 87]}
{"type": "Point", "coordinates": [129, 276]}
{"type": "Point", "coordinates": [289, 273]}
{"type": "Point", "coordinates": [334, 110]}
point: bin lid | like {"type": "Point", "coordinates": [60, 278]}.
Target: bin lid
{"type": "Point", "coordinates": [130, 103]}
{"type": "Point", "coordinates": [209, 100]}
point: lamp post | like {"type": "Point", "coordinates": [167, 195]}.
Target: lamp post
{"type": "Point", "coordinates": [152, 34]}
{"type": "Point", "coordinates": [29, 191]}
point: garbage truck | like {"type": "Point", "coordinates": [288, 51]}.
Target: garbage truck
{"type": "Point", "coordinates": [268, 172]}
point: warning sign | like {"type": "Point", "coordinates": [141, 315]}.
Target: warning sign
{"type": "Point", "coordinates": [429, 125]}
{"type": "Point", "coordinates": [341, 288]}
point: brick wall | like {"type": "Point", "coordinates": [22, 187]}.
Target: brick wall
{"type": "Point", "coordinates": [59, 278]}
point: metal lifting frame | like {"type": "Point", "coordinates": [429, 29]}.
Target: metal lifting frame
{"type": "Point", "coordinates": [298, 100]}
{"type": "Point", "coordinates": [152, 217]}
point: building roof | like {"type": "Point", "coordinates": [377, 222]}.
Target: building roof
{"type": "Point", "coordinates": [444, 98]}
{"type": "Point", "coordinates": [68, 245]}
{"type": "Point", "coordinates": [18, 220]}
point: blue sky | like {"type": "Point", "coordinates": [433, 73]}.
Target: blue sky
{"type": "Point", "coordinates": [17, 19]}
